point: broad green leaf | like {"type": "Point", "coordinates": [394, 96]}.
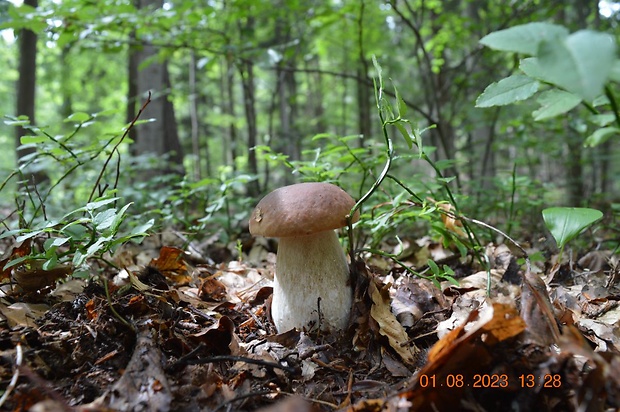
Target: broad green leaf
{"type": "Point", "coordinates": [92, 206]}
{"type": "Point", "coordinates": [508, 90]}
{"type": "Point", "coordinates": [78, 117]}
{"type": "Point", "coordinates": [601, 136]}
{"type": "Point", "coordinates": [141, 230]}
{"type": "Point", "coordinates": [51, 262]}
{"type": "Point", "coordinates": [11, 233]}
{"type": "Point", "coordinates": [78, 258]}
{"type": "Point", "coordinates": [76, 231]}
{"type": "Point", "coordinates": [580, 63]}
{"type": "Point", "coordinates": [555, 102]}
{"type": "Point", "coordinates": [523, 38]}
{"type": "Point", "coordinates": [602, 120]}
{"type": "Point", "coordinates": [33, 139]}
{"type": "Point", "coordinates": [16, 261]}
{"type": "Point", "coordinates": [565, 223]}
{"type": "Point", "coordinates": [104, 219]}
{"type": "Point", "coordinates": [98, 203]}
{"type": "Point", "coordinates": [119, 217]}
{"type": "Point", "coordinates": [601, 100]}
{"type": "Point", "coordinates": [531, 67]}
{"type": "Point", "coordinates": [54, 242]}
{"type": "Point", "coordinates": [99, 245]}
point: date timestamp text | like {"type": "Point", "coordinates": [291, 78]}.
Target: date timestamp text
{"type": "Point", "coordinates": [490, 381]}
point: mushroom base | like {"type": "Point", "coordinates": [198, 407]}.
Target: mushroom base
{"type": "Point", "coordinates": [308, 268]}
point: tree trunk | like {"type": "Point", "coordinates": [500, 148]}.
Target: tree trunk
{"type": "Point", "coordinates": [230, 152]}
{"type": "Point", "coordinates": [574, 169]}
{"type": "Point", "coordinates": [363, 103]}
{"type": "Point", "coordinates": [25, 104]}
{"type": "Point", "coordinates": [194, 122]}
{"type": "Point", "coordinates": [160, 137]}
{"type": "Point", "coordinates": [246, 69]}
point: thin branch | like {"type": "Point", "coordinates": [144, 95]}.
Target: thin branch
{"type": "Point", "coordinates": [115, 148]}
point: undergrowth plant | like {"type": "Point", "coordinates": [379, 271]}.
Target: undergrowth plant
{"type": "Point", "coordinates": [392, 204]}
{"type": "Point", "coordinates": [441, 210]}
{"type": "Point", "coordinates": [563, 70]}
{"type": "Point", "coordinates": [87, 172]}
{"type": "Point", "coordinates": [566, 223]}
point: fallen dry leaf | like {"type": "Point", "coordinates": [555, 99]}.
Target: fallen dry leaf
{"type": "Point", "coordinates": [388, 325]}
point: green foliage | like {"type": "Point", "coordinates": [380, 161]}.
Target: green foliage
{"type": "Point", "coordinates": [77, 172]}
{"type": "Point", "coordinates": [578, 67]}
{"type": "Point", "coordinates": [565, 223]}
{"type": "Point", "coordinates": [91, 231]}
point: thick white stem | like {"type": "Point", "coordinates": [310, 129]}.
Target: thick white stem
{"type": "Point", "coordinates": [308, 268]}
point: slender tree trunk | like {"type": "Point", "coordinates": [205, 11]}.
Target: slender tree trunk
{"type": "Point", "coordinates": [229, 108]}
{"type": "Point", "coordinates": [67, 96]}
{"type": "Point", "coordinates": [574, 169]}
{"type": "Point", "coordinates": [160, 137]}
{"type": "Point", "coordinates": [193, 114]}
{"type": "Point", "coordinates": [25, 104]}
{"type": "Point", "coordinates": [363, 95]}
{"type": "Point", "coordinates": [249, 103]}
{"type": "Point", "coordinates": [314, 102]}
{"type": "Point", "coordinates": [363, 103]}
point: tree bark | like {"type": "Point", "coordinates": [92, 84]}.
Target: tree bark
{"type": "Point", "coordinates": [26, 98]}
{"type": "Point", "coordinates": [249, 103]}
{"type": "Point", "coordinates": [194, 120]}
{"type": "Point", "coordinates": [160, 137]}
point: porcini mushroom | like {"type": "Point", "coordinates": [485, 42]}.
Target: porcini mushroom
{"type": "Point", "coordinates": [311, 265]}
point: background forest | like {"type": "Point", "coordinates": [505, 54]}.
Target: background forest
{"type": "Point", "coordinates": [248, 96]}
{"type": "Point", "coordinates": [138, 137]}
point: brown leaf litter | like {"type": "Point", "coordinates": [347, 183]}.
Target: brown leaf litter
{"type": "Point", "coordinates": [181, 335]}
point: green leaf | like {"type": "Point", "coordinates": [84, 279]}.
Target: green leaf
{"type": "Point", "coordinates": [104, 219]}
{"type": "Point", "coordinates": [78, 117]}
{"type": "Point", "coordinates": [531, 67]}
{"type": "Point", "coordinates": [555, 102]}
{"type": "Point", "coordinates": [405, 133]}
{"type": "Point", "coordinates": [402, 107]}
{"type": "Point", "coordinates": [523, 38]}
{"type": "Point", "coordinates": [602, 120]}
{"type": "Point", "coordinates": [54, 242]}
{"type": "Point", "coordinates": [33, 139]}
{"type": "Point", "coordinates": [565, 223]}
{"type": "Point", "coordinates": [580, 63]}
{"type": "Point", "coordinates": [141, 230]}
{"type": "Point", "coordinates": [509, 90]}
{"type": "Point", "coordinates": [50, 263]}
{"type": "Point", "coordinates": [601, 136]}
{"type": "Point", "coordinates": [99, 245]}
{"type": "Point", "coordinates": [119, 217]}
{"type": "Point", "coordinates": [433, 267]}
{"type": "Point", "coordinates": [11, 233]}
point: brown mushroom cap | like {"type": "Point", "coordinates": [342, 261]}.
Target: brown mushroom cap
{"type": "Point", "coordinates": [302, 209]}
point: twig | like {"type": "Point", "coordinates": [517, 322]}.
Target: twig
{"type": "Point", "coordinates": [111, 306]}
{"type": "Point", "coordinates": [230, 358]}
{"type": "Point", "coordinates": [13, 383]}
{"type": "Point", "coordinates": [115, 148]}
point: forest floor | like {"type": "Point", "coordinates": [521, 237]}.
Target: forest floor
{"type": "Point", "coordinates": [175, 331]}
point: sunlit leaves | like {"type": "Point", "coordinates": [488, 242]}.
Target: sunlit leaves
{"type": "Point", "coordinates": [555, 102]}
{"type": "Point", "coordinates": [524, 38]}
{"type": "Point", "coordinates": [507, 91]}
{"type": "Point", "coordinates": [580, 63]}
{"type": "Point", "coordinates": [575, 67]}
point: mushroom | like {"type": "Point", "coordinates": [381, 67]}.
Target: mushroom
{"type": "Point", "coordinates": [312, 273]}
